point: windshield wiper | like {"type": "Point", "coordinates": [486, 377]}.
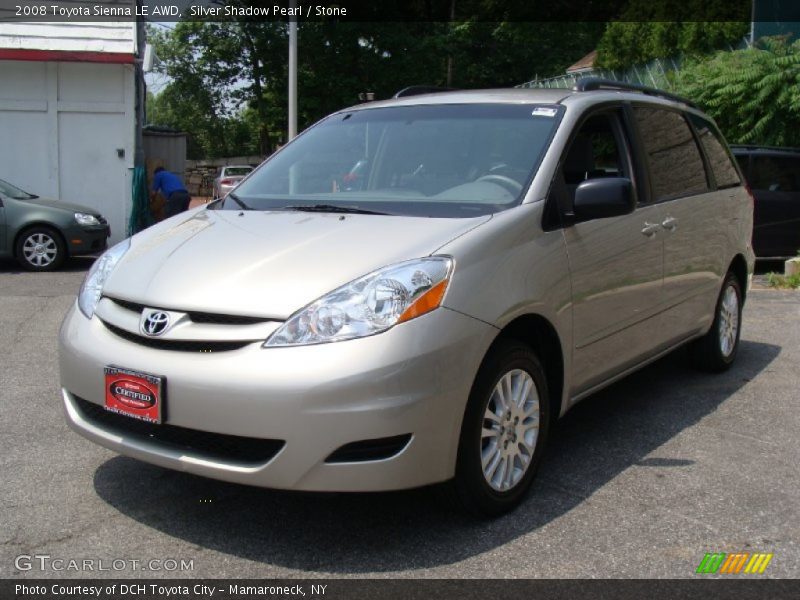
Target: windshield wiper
{"type": "Point", "coordinates": [332, 208]}
{"type": "Point", "coordinates": [239, 201]}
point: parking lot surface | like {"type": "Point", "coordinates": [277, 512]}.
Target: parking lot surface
{"type": "Point", "coordinates": [640, 480]}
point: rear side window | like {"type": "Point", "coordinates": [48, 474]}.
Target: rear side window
{"type": "Point", "coordinates": [775, 173]}
{"type": "Point", "coordinates": [718, 156]}
{"type": "Point", "coordinates": [676, 166]}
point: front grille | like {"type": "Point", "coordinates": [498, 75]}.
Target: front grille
{"type": "Point", "coordinates": [219, 446]}
{"type": "Point", "coordinates": [132, 306]}
{"type": "Point", "coordinates": [366, 450]}
{"type": "Point", "coordinates": [219, 319]}
{"type": "Point", "coordinates": [202, 346]}
{"type": "Point", "coordinates": [197, 317]}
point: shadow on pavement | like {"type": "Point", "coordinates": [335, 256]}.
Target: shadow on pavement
{"type": "Point", "coordinates": [72, 265]}
{"type": "Point", "coordinates": [355, 533]}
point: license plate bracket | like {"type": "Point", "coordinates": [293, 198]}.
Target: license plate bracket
{"type": "Point", "coordinates": [134, 394]}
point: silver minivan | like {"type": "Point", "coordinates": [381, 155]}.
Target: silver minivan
{"type": "Point", "coordinates": [412, 291]}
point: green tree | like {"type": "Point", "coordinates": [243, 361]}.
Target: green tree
{"type": "Point", "coordinates": [649, 30]}
{"type": "Point", "coordinates": [220, 70]}
{"type": "Point", "coordinates": [507, 53]}
{"type": "Point", "coordinates": [216, 70]}
{"type": "Point", "coordinates": [752, 94]}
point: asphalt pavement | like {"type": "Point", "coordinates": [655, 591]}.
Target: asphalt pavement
{"type": "Point", "coordinates": [640, 480]}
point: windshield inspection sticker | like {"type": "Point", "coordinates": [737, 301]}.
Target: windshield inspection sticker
{"type": "Point", "coordinates": [541, 111]}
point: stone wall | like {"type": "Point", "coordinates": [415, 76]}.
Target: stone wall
{"type": "Point", "coordinates": [200, 174]}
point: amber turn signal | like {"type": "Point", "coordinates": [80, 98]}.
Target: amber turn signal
{"type": "Point", "coordinates": [425, 303]}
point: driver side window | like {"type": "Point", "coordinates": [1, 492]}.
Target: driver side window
{"type": "Point", "coordinates": [596, 151]}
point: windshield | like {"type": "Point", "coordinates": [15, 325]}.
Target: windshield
{"type": "Point", "coordinates": [11, 191]}
{"type": "Point", "coordinates": [430, 160]}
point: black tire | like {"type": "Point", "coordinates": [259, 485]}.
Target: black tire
{"type": "Point", "coordinates": [53, 250]}
{"type": "Point", "coordinates": [709, 352]}
{"type": "Point", "coordinates": [470, 487]}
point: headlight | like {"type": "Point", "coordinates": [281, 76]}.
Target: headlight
{"type": "Point", "coordinates": [86, 219]}
{"type": "Point", "coordinates": [92, 286]}
{"type": "Point", "coordinates": [369, 305]}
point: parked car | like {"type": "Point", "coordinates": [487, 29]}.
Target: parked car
{"type": "Point", "coordinates": [774, 176]}
{"type": "Point", "coordinates": [500, 256]}
{"type": "Point", "coordinates": [229, 178]}
{"type": "Point", "coordinates": [41, 233]}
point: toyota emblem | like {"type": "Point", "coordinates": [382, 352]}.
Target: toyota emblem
{"type": "Point", "coordinates": [155, 323]}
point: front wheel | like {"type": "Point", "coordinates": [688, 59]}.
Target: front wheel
{"type": "Point", "coordinates": [504, 431]}
{"type": "Point", "coordinates": [40, 249]}
{"type": "Point", "coordinates": [717, 350]}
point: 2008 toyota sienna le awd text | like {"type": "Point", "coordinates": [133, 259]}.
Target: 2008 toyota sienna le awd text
{"type": "Point", "coordinates": [413, 290]}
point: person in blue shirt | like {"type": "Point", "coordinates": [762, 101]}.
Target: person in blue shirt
{"type": "Point", "coordinates": [173, 190]}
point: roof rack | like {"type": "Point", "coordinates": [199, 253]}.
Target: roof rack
{"type": "Point", "coordinates": [589, 84]}
{"type": "Point", "coordinates": [416, 90]}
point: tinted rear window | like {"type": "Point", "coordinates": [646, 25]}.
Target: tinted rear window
{"type": "Point", "coordinates": [775, 173]}
{"type": "Point", "coordinates": [237, 171]}
{"type": "Point", "coordinates": [743, 160]}
{"type": "Point", "coordinates": [676, 167]}
{"type": "Point", "coordinates": [716, 152]}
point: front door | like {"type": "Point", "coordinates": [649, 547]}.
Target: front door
{"type": "Point", "coordinates": [615, 263]}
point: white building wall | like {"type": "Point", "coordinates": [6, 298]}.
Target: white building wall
{"type": "Point", "coordinates": [110, 36]}
{"type": "Point", "coordinates": [64, 126]}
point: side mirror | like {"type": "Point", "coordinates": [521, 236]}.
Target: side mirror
{"type": "Point", "coordinates": [603, 197]}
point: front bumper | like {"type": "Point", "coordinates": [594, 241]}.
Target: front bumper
{"type": "Point", "coordinates": [87, 240]}
{"type": "Point", "coordinates": [413, 379]}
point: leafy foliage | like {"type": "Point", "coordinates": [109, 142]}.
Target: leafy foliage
{"type": "Point", "coordinates": [779, 281]}
{"type": "Point", "coordinates": [753, 94]}
{"type": "Point", "coordinates": [649, 30]}
{"type": "Point", "coordinates": [216, 72]}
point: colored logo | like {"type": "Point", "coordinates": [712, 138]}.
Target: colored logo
{"type": "Point", "coordinates": [132, 394]}
{"type": "Point", "coordinates": [154, 322]}
{"type": "Point", "coordinates": [734, 563]}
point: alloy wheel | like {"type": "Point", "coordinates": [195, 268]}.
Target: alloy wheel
{"type": "Point", "coordinates": [728, 321]}
{"type": "Point", "coordinates": [510, 430]}
{"type": "Point", "coordinates": [40, 249]}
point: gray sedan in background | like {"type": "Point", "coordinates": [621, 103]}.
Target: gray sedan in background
{"type": "Point", "coordinates": [228, 178]}
{"type": "Point", "coordinates": [41, 233]}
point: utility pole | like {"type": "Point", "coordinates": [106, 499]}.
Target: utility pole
{"type": "Point", "coordinates": [449, 77]}
{"type": "Point", "coordinates": [292, 71]}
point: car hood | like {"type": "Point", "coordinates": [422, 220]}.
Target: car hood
{"type": "Point", "coordinates": [267, 264]}
{"type": "Point", "coordinates": [68, 206]}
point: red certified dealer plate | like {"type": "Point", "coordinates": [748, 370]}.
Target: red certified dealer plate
{"type": "Point", "coordinates": [134, 394]}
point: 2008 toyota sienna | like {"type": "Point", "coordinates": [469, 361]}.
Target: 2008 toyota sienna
{"type": "Point", "coordinates": [413, 290]}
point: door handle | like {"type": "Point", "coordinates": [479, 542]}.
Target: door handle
{"type": "Point", "coordinates": [650, 229]}
{"type": "Point", "coordinates": [670, 223]}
